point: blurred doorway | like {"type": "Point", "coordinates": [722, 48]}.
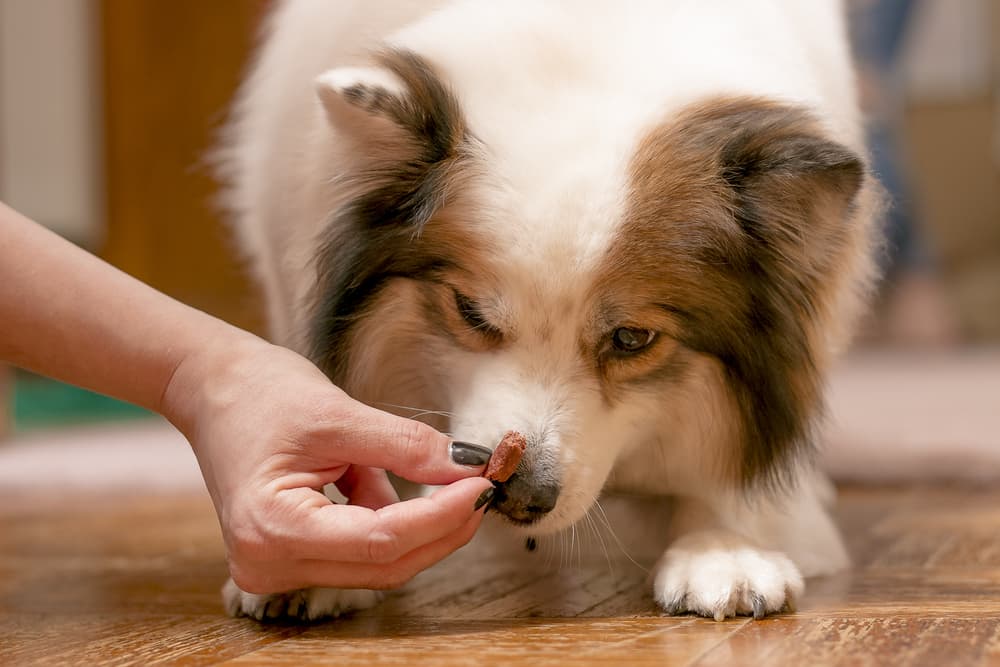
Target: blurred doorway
{"type": "Point", "coordinates": [169, 72]}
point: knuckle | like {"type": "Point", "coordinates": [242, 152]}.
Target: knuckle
{"type": "Point", "coordinates": [415, 440]}
{"type": "Point", "coordinates": [383, 546]}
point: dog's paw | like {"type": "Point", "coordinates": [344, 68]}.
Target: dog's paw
{"type": "Point", "coordinates": [308, 604]}
{"type": "Point", "coordinates": [719, 574]}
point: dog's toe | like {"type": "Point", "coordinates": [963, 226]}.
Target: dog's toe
{"type": "Point", "coordinates": [309, 604]}
{"type": "Point", "coordinates": [719, 575]}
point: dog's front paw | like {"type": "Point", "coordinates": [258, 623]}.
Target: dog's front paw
{"type": "Point", "coordinates": [719, 574]}
{"type": "Point", "coordinates": [308, 604]}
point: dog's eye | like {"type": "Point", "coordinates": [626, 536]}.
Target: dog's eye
{"type": "Point", "coordinates": [628, 339]}
{"type": "Point", "coordinates": [470, 313]}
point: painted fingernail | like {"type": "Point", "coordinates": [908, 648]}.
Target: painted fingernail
{"type": "Point", "coordinates": [468, 454]}
{"type": "Point", "coordinates": [484, 497]}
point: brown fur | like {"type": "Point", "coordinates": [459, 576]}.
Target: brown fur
{"type": "Point", "coordinates": [739, 218]}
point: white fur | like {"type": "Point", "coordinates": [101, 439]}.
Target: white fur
{"type": "Point", "coordinates": [308, 604]}
{"type": "Point", "coordinates": [558, 93]}
{"type": "Point", "coordinates": [718, 574]}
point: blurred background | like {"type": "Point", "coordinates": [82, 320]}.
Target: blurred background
{"type": "Point", "coordinates": [107, 108]}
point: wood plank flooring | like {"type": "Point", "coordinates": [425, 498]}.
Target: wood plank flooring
{"type": "Point", "coordinates": [90, 579]}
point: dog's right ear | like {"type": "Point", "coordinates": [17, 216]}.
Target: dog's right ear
{"type": "Point", "coordinates": [403, 127]}
{"type": "Point", "coordinates": [358, 102]}
{"type": "Point", "coordinates": [398, 102]}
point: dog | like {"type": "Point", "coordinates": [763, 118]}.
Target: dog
{"type": "Point", "coordinates": [638, 233]}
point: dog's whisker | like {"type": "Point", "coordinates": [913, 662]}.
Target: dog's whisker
{"type": "Point", "coordinates": [430, 412]}
{"type": "Point", "coordinates": [614, 536]}
{"type": "Point", "coordinates": [595, 529]}
{"type": "Point", "coordinates": [579, 548]}
{"type": "Point", "coordinates": [549, 554]}
{"type": "Point", "coordinates": [594, 535]}
{"type": "Point", "coordinates": [419, 411]}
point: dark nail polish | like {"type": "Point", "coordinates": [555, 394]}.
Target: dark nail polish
{"type": "Point", "coordinates": [484, 497]}
{"type": "Point", "coordinates": [468, 454]}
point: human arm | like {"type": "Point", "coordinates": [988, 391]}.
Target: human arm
{"type": "Point", "coordinates": [269, 430]}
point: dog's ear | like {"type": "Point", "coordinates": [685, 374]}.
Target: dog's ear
{"type": "Point", "coordinates": [357, 100]}
{"type": "Point", "coordinates": [398, 103]}
{"type": "Point", "coordinates": [402, 127]}
{"type": "Point", "coordinates": [405, 129]}
{"type": "Point", "coordinates": [792, 187]}
{"type": "Point", "coordinates": [791, 194]}
{"type": "Point", "coordinates": [776, 195]}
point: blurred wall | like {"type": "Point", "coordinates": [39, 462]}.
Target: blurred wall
{"type": "Point", "coordinates": [50, 140]}
{"type": "Point", "coordinates": [952, 132]}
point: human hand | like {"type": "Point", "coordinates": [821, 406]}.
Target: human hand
{"type": "Point", "coordinates": [270, 430]}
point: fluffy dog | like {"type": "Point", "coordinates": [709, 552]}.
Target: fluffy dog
{"type": "Point", "coordinates": [635, 232]}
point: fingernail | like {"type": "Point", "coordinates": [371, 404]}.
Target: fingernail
{"type": "Point", "coordinates": [484, 497]}
{"type": "Point", "coordinates": [468, 454]}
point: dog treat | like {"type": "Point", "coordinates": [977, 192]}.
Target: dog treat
{"type": "Point", "coordinates": [505, 457]}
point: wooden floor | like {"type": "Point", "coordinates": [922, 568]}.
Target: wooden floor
{"type": "Point", "coordinates": [88, 580]}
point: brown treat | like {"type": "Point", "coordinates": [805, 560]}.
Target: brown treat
{"type": "Point", "coordinates": [505, 457]}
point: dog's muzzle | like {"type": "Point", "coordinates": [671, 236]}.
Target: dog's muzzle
{"type": "Point", "coordinates": [524, 498]}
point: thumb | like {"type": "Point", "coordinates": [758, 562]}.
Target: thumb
{"type": "Point", "coordinates": [411, 449]}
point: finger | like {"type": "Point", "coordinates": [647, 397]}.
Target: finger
{"type": "Point", "coordinates": [381, 576]}
{"type": "Point", "coordinates": [411, 449]}
{"type": "Point", "coordinates": [348, 533]}
{"type": "Point", "coordinates": [367, 487]}
{"type": "Point", "coordinates": [424, 557]}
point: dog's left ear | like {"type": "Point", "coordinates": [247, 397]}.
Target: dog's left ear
{"type": "Point", "coordinates": [793, 188]}
{"type": "Point", "coordinates": [789, 233]}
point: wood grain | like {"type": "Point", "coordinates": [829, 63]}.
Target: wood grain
{"type": "Point", "coordinates": [123, 580]}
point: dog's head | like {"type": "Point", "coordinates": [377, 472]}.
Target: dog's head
{"type": "Point", "coordinates": [654, 312]}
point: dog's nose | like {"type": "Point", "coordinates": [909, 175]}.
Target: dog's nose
{"type": "Point", "coordinates": [525, 499]}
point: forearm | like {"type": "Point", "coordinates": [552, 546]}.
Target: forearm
{"type": "Point", "coordinates": [66, 314]}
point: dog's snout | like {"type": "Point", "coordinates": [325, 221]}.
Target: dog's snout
{"type": "Point", "coordinates": [525, 499]}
